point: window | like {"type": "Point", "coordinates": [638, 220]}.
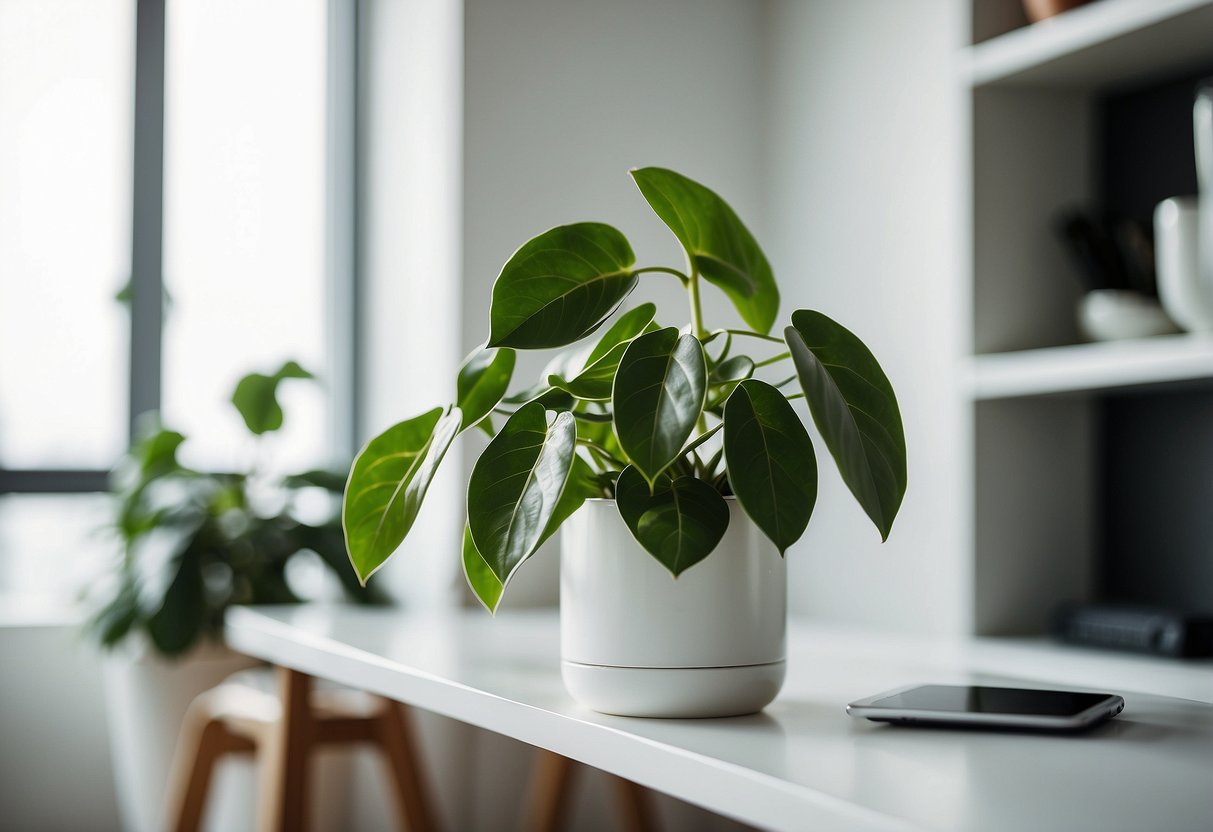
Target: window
{"type": "Point", "coordinates": [66, 74]}
{"type": "Point", "coordinates": [235, 188]}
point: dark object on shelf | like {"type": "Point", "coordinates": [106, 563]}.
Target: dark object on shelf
{"type": "Point", "coordinates": [1039, 10]}
{"type": "Point", "coordinates": [1154, 630]}
{"type": "Point", "coordinates": [1110, 253]}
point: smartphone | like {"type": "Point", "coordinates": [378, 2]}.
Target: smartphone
{"type": "Point", "coordinates": [977, 706]}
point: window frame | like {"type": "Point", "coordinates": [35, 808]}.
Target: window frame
{"type": "Point", "coordinates": [342, 269]}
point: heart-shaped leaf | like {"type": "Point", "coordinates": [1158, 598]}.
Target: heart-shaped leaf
{"type": "Point", "coordinates": [719, 246]}
{"type": "Point", "coordinates": [770, 459]}
{"type": "Point", "coordinates": [855, 410]}
{"type": "Point", "coordinates": [486, 586]}
{"type": "Point", "coordinates": [482, 382]}
{"type": "Point", "coordinates": [561, 286]}
{"type": "Point", "coordinates": [256, 397]}
{"type": "Point", "coordinates": [387, 485]}
{"type": "Point", "coordinates": [515, 486]}
{"type": "Point", "coordinates": [679, 522]}
{"type": "Point", "coordinates": [658, 396]}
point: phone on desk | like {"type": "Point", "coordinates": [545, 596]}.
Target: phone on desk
{"type": "Point", "coordinates": [992, 707]}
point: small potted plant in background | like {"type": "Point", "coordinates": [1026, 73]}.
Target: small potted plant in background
{"type": "Point", "coordinates": [193, 544]}
{"type": "Point", "coordinates": [680, 477]}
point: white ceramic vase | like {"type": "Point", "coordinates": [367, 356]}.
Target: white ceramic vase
{"type": "Point", "coordinates": [637, 642]}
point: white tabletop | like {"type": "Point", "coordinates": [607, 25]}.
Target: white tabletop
{"type": "Point", "coordinates": [802, 763]}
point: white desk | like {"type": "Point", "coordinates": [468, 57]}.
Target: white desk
{"type": "Point", "coordinates": [801, 764]}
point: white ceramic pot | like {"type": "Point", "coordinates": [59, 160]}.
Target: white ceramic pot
{"type": "Point", "coordinates": [637, 642]}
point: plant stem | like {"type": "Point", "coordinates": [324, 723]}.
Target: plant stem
{"type": "Point", "coordinates": [696, 309]}
{"type": "Point", "coordinates": [699, 440]}
{"type": "Point", "coordinates": [775, 359]}
{"type": "Point", "coordinates": [750, 334]}
{"type": "Point", "coordinates": [663, 270]}
{"type": "Point", "coordinates": [786, 381]}
{"type": "Point", "coordinates": [598, 449]}
{"type": "Point", "coordinates": [794, 396]}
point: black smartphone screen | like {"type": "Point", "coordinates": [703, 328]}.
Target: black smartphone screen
{"type": "Point", "coordinates": [982, 700]}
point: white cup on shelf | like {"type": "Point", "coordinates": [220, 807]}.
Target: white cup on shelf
{"type": "Point", "coordinates": [1185, 291]}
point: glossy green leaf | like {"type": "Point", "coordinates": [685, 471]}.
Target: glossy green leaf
{"type": "Point", "coordinates": [256, 397]}
{"type": "Point", "coordinates": [737, 368]}
{"type": "Point", "coordinates": [516, 485]}
{"type": "Point", "coordinates": [717, 243]}
{"type": "Point", "coordinates": [581, 486]}
{"type": "Point", "coordinates": [628, 326]}
{"type": "Point", "coordinates": [595, 381]}
{"type": "Point", "coordinates": [679, 523]}
{"type": "Point", "coordinates": [387, 485]}
{"type": "Point", "coordinates": [561, 286]}
{"type": "Point", "coordinates": [486, 586]}
{"type": "Point", "coordinates": [482, 383]}
{"type": "Point", "coordinates": [770, 459]}
{"type": "Point", "coordinates": [855, 410]}
{"type": "Point", "coordinates": [658, 397]}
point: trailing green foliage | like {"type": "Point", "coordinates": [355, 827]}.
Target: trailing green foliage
{"type": "Point", "coordinates": [669, 423]}
{"type": "Point", "coordinates": [195, 543]}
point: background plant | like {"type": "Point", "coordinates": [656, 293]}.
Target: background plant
{"type": "Point", "coordinates": [194, 543]}
{"type": "Point", "coordinates": [668, 422]}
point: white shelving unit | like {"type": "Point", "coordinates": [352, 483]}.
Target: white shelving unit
{"type": "Point", "coordinates": [1106, 42]}
{"type": "Point", "coordinates": [1034, 390]}
{"type": "Point", "coordinates": [1091, 368]}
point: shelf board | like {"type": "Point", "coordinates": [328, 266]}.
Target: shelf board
{"type": "Point", "coordinates": [1105, 43]}
{"type": "Point", "coordinates": [1108, 365]}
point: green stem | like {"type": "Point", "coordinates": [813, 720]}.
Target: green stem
{"type": "Point", "coordinates": [786, 381]}
{"type": "Point", "coordinates": [663, 270]}
{"type": "Point", "coordinates": [598, 449]}
{"type": "Point", "coordinates": [750, 334]}
{"type": "Point", "coordinates": [696, 310]}
{"type": "Point", "coordinates": [699, 440]}
{"type": "Point", "coordinates": [794, 396]}
{"type": "Point", "coordinates": [775, 359]}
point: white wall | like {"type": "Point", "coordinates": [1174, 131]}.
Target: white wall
{"type": "Point", "coordinates": [561, 99]}
{"type": "Point", "coordinates": [864, 154]}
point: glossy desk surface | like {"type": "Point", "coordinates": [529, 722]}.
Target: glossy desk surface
{"type": "Point", "coordinates": [802, 763]}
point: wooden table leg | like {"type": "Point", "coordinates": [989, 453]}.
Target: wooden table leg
{"type": "Point", "coordinates": [550, 788]}
{"type": "Point", "coordinates": [399, 745]}
{"type": "Point", "coordinates": [635, 813]}
{"type": "Point", "coordinates": [282, 801]}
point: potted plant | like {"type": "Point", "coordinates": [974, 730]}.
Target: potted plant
{"type": "Point", "coordinates": [679, 477]}
{"type": "Point", "coordinates": [193, 544]}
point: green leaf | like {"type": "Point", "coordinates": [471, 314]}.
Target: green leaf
{"type": "Point", "coordinates": [486, 586]}
{"type": "Point", "coordinates": [157, 452]}
{"type": "Point", "coordinates": [630, 324]}
{"type": "Point", "coordinates": [718, 245]}
{"type": "Point", "coordinates": [256, 397]}
{"type": "Point", "coordinates": [483, 380]}
{"type": "Point", "coordinates": [581, 486]}
{"type": "Point", "coordinates": [679, 523]}
{"type": "Point", "coordinates": [516, 485]}
{"type": "Point", "coordinates": [770, 459]}
{"type": "Point", "coordinates": [658, 397]}
{"type": "Point", "coordinates": [596, 380]}
{"type": "Point", "coordinates": [387, 485]}
{"type": "Point", "coordinates": [855, 410]}
{"type": "Point", "coordinates": [561, 286]}
{"type": "Point", "coordinates": [737, 368]}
